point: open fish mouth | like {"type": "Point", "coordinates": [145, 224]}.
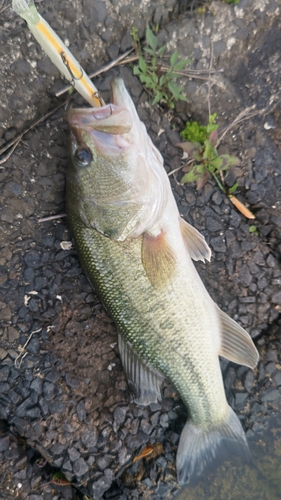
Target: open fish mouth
{"type": "Point", "coordinates": [110, 119]}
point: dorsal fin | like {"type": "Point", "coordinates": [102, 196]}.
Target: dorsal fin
{"type": "Point", "coordinates": [158, 259]}
{"type": "Point", "coordinates": [195, 242]}
{"type": "Point", "coordinates": [236, 343]}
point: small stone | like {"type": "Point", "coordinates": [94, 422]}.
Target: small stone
{"type": "Point", "coordinates": [270, 367]}
{"type": "Point", "coordinates": [73, 454]}
{"type": "Point", "coordinates": [48, 391]}
{"type": "Point", "coordinates": [33, 413]}
{"type": "Point", "coordinates": [277, 378]}
{"type": "Point", "coordinates": [101, 486]}
{"type": "Point", "coordinates": [4, 374]}
{"type": "Point", "coordinates": [3, 354]}
{"type": "Point", "coordinates": [270, 394]}
{"type": "Point", "coordinates": [276, 299]}
{"type": "Point", "coordinates": [80, 467]}
{"type": "Point", "coordinates": [218, 244]}
{"type": "Point", "coordinates": [58, 448]}
{"type": "Point", "coordinates": [81, 412]}
{"type": "Point", "coordinates": [37, 385]}
{"type": "Point", "coordinates": [23, 407]}
{"type": "Point", "coordinates": [52, 376]}
{"type": "Point", "coordinates": [90, 438]}
{"type": "Point", "coordinates": [249, 381]}
{"type": "Point", "coordinates": [4, 443]}
{"type": "Point", "coordinates": [103, 463]}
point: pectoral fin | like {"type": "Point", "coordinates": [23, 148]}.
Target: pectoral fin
{"type": "Point", "coordinates": [195, 243]}
{"type": "Point", "coordinates": [236, 343]}
{"type": "Point", "coordinates": [158, 259]}
{"type": "Point", "coordinates": [144, 380]}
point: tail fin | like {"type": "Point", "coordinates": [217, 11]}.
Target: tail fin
{"type": "Point", "coordinates": [203, 448]}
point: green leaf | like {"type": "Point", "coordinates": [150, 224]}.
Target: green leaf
{"type": "Point", "coordinates": [233, 188]}
{"type": "Point", "coordinates": [151, 38]}
{"type": "Point", "coordinates": [183, 98]}
{"type": "Point", "coordinates": [142, 65]}
{"type": "Point", "coordinates": [162, 50]}
{"type": "Point", "coordinates": [217, 163]}
{"type": "Point", "coordinates": [209, 151]}
{"type": "Point", "coordinates": [162, 80]}
{"type": "Point", "coordinates": [190, 176]}
{"type": "Point", "coordinates": [157, 98]}
{"type": "Point", "coordinates": [253, 229]}
{"type": "Point", "coordinates": [229, 161]}
{"type": "Point", "coordinates": [174, 89]}
{"type": "Point", "coordinates": [149, 51]}
{"type": "Point", "coordinates": [136, 70]}
{"type": "Point", "coordinates": [181, 64]}
{"type": "Point", "coordinates": [174, 57]}
{"type": "Point", "coordinates": [147, 80]}
{"type": "Point", "coordinates": [154, 78]}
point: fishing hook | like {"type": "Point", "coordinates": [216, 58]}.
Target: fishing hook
{"type": "Point", "coordinates": [66, 63]}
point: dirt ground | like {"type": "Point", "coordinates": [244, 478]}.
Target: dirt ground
{"type": "Point", "coordinates": [64, 401]}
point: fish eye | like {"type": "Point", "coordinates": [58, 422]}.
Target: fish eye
{"type": "Point", "coordinates": [83, 157]}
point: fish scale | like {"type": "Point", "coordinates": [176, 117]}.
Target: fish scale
{"type": "Point", "coordinates": [137, 253]}
{"type": "Point", "coordinates": [117, 274]}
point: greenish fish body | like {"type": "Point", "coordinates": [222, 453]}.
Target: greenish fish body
{"type": "Point", "coordinates": [137, 253]}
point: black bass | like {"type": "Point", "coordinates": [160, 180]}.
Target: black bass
{"type": "Point", "coordinates": [137, 251]}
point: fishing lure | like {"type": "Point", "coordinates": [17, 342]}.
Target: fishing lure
{"type": "Point", "coordinates": [58, 52]}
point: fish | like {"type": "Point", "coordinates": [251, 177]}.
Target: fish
{"type": "Point", "coordinates": [138, 253]}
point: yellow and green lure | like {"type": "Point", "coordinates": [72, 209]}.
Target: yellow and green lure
{"type": "Point", "coordinates": [57, 51]}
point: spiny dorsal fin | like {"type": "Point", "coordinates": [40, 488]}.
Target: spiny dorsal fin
{"type": "Point", "coordinates": [236, 343]}
{"type": "Point", "coordinates": [158, 259]}
{"type": "Point", "coordinates": [195, 242]}
{"type": "Point", "coordinates": [144, 380]}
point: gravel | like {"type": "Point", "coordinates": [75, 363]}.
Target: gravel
{"type": "Point", "coordinates": [60, 403]}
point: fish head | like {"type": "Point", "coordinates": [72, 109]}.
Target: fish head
{"type": "Point", "coordinates": [114, 174]}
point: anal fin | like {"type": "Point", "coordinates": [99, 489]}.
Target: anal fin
{"type": "Point", "coordinates": [158, 259]}
{"type": "Point", "coordinates": [144, 380]}
{"type": "Point", "coordinates": [236, 343]}
{"type": "Point", "coordinates": [195, 242]}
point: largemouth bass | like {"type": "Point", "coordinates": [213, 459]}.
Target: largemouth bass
{"type": "Point", "coordinates": [137, 252]}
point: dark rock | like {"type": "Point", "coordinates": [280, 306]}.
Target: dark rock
{"type": "Point", "coordinates": [48, 391]}
{"type": "Point", "coordinates": [24, 406]}
{"type": "Point", "coordinates": [57, 406]}
{"type": "Point", "coordinates": [80, 467]}
{"type": "Point", "coordinates": [43, 407]}
{"type": "Point", "coordinates": [270, 394]}
{"type": "Point", "coordinates": [136, 441]}
{"type": "Point", "coordinates": [81, 412]}
{"type": "Point", "coordinates": [73, 454]}
{"type": "Point", "coordinates": [37, 385]}
{"type": "Point", "coordinates": [249, 381]}
{"type": "Point", "coordinates": [4, 443]}
{"type": "Point", "coordinates": [33, 413]}
{"type": "Point", "coordinates": [4, 374]}
{"type": "Point", "coordinates": [100, 486]}
{"type": "Point", "coordinates": [218, 244]}
{"type": "Point", "coordinates": [90, 438]}
{"type": "Point", "coordinates": [33, 259]}
{"type": "Point", "coordinates": [52, 376]}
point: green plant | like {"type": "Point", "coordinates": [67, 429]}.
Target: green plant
{"type": "Point", "coordinates": [204, 159]}
{"type": "Point", "coordinates": [199, 133]}
{"type": "Point", "coordinates": [234, 2]}
{"type": "Point", "coordinates": [154, 74]}
{"type": "Point", "coordinates": [253, 229]}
